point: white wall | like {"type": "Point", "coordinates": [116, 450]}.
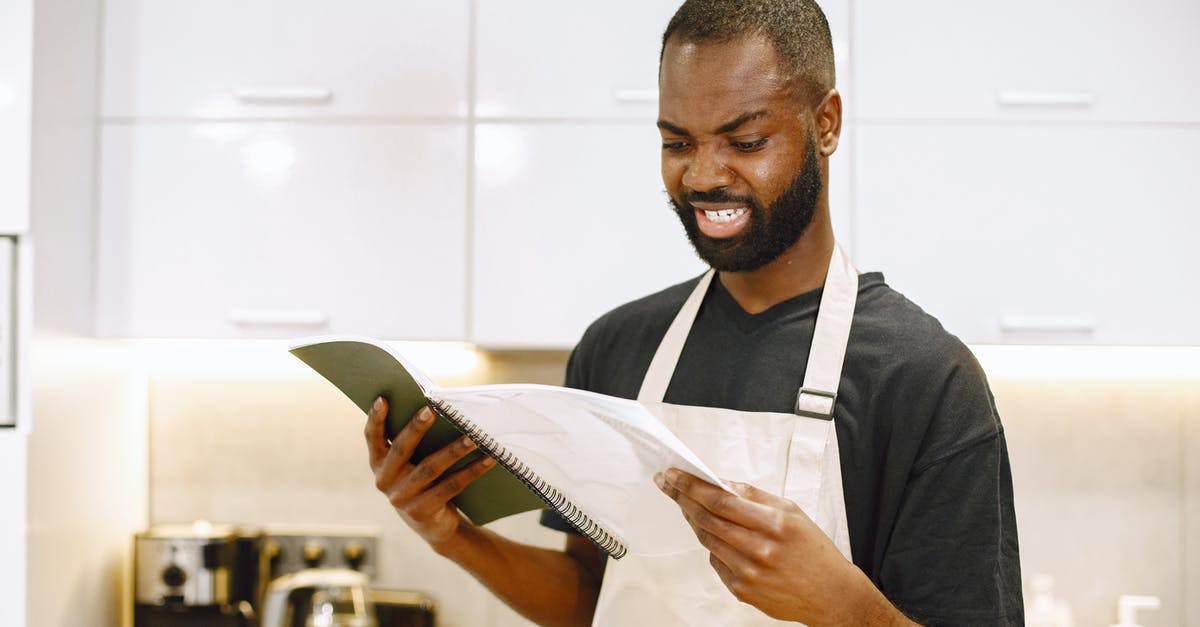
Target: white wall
{"type": "Point", "coordinates": [12, 527]}
{"type": "Point", "coordinates": [88, 463]}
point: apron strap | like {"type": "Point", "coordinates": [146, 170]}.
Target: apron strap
{"type": "Point", "coordinates": [819, 391]}
{"type": "Point", "coordinates": [662, 366]}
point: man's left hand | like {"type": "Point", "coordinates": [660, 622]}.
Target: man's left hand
{"type": "Point", "coordinates": [770, 554]}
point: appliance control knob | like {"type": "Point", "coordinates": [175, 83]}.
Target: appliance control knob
{"type": "Point", "coordinates": [272, 555]}
{"type": "Point", "coordinates": [174, 576]}
{"type": "Point", "coordinates": [314, 554]}
{"type": "Point", "coordinates": [354, 554]}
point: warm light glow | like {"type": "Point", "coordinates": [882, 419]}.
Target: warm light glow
{"type": "Point", "coordinates": [1090, 362]}
{"type": "Point", "coordinates": [270, 358]}
{"type": "Point", "coordinates": [444, 361]}
{"type": "Point", "coordinates": [441, 359]}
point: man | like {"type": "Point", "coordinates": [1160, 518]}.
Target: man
{"type": "Point", "coordinates": [871, 474]}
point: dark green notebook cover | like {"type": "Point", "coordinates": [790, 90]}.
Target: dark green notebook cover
{"type": "Point", "coordinates": [363, 370]}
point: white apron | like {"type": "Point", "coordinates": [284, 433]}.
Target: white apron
{"type": "Point", "coordinates": [793, 455]}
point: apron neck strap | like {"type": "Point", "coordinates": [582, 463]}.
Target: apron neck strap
{"type": "Point", "coordinates": [662, 366]}
{"type": "Point", "coordinates": [819, 390]}
{"type": "Point", "coordinates": [830, 337]}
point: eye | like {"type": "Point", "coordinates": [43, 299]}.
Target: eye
{"type": "Point", "coordinates": [674, 145]}
{"type": "Point", "coordinates": [749, 146]}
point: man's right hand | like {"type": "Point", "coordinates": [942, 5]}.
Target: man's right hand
{"type": "Point", "coordinates": [419, 492]}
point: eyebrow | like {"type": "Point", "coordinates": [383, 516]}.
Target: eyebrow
{"type": "Point", "coordinates": [727, 127]}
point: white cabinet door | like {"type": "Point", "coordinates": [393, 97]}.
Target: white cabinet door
{"type": "Point", "coordinates": [1028, 59]}
{"type": "Point", "coordinates": [571, 220]}
{"type": "Point", "coordinates": [553, 59]}
{"type": "Point", "coordinates": [1036, 235]}
{"type": "Point", "coordinates": [302, 58]}
{"type": "Point", "coordinates": [245, 230]}
{"type": "Point", "coordinates": [16, 81]}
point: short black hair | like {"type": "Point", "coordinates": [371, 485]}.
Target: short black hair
{"type": "Point", "coordinates": [797, 29]}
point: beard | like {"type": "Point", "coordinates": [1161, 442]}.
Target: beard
{"type": "Point", "coordinates": [771, 230]}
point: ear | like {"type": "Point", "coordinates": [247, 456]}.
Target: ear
{"type": "Point", "coordinates": [828, 116]}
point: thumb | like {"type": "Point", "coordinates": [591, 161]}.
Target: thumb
{"type": "Point", "coordinates": [751, 493]}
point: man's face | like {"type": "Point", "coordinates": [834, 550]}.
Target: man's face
{"type": "Point", "coordinates": [739, 158]}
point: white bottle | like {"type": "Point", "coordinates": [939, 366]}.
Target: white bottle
{"type": "Point", "coordinates": [1129, 604]}
{"type": "Point", "coordinates": [1043, 610]}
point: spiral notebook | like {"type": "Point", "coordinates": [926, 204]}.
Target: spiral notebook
{"type": "Point", "coordinates": [588, 456]}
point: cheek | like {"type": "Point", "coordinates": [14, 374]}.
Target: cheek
{"type": "Point", "coordinates": [767, 179]}
{"type": "Point", "coordinates": [672, 175]}
{"type": "Point", "coordinates": [770, 177]}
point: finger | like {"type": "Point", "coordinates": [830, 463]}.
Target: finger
{"type": "Point", "coordinates": [377, 446]}
{"type": "Point", "coordinates": [762, 496]}
{"type": "Point", "coordinates": [714, 530]}
{"type": "Point", "coordinates": [430, 469]}
{"type": "Point", "coordinates": [431, 501]}
{"type": "Point", "coordinates": [732, 568]}
{"type": "Point", "coordinates": [406, 441]}
{"type": "Point", "coordinates": [727, 505]}
{"type": "Point", "coordinates": [733, 551]}
{"type": "Point", "coordinates": [744, 552]}
{"type": "Point", "coordinates": [452, 485]}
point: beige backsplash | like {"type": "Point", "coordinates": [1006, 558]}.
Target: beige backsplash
{"type": "Point", "coordinates": [1107, 477]}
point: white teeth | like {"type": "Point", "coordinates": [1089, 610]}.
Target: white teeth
{"type": "Point", "coordinates": [724, 215]}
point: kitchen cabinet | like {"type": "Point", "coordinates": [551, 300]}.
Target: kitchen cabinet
{"type": "Point", "coordinates": [264, 230]}
{"type": "Point", "coordinates": [554, 60]}
{"type": "Point", "coordinates": [551, 59]}
{"type": "Point", "coordinates": [1036, 234]}
{"type": "Point", "coordinates": [570, 221]}
{"type": "Point", "coordinates": [227, 59]}
{"type": "Point", "coordinates": [16, 81]}
{"type": "Point", "coordinates": [570, 217]}
{"type": "Point", "coordinates": [1072, 60]}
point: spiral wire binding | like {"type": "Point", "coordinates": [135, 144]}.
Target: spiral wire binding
{"type": "Point", "coordinates": [554, 498]}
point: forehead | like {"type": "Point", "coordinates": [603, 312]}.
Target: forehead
{"type": "Point", "coordinates": [703, 85]}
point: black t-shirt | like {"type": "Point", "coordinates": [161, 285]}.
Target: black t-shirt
{"type": "Point", "coordinates": [925, 469]}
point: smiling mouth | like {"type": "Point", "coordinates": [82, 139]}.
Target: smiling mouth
{"type": "Point", "coordinates": [722, 216]}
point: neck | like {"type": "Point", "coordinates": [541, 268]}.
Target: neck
{"type": "Point", "coordinates": [801, 268]}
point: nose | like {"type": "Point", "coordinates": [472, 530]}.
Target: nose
{"type": "Point", "coordinates": [706, 170]}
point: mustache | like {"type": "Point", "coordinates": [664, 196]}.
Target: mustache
{"type": "Point", "coordinates": [719, 194]}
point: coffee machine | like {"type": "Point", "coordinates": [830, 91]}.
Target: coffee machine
{"type": "Point", "coordinates": [196, 574]}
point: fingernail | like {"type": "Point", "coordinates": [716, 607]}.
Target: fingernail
{"type": "Point", "coordinates": [660, 481]}
{"type": "Point", "coordinates": [488, 462]}
{"type": "Point", "coordinates": [467, 444]}
{"type": "Point", "coordinates": [378, 404]}
{"type": "Point", "coordinates": [424, 416]}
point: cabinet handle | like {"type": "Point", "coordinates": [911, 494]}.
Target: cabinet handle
{"type": "Point", "coordinates": [634, 95]}
{"type": "Point", "coordinates": [279, 317]}
{"type": "Point", "coordinates": [1047, 324]}
{"type": "Point", "coordinates": [1012, 98]}
{"type": "Point", "coordinates": [284, 95]}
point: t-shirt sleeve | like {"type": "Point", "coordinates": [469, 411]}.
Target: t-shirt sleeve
{"type": "Point", "coordinates": [953, 556]}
